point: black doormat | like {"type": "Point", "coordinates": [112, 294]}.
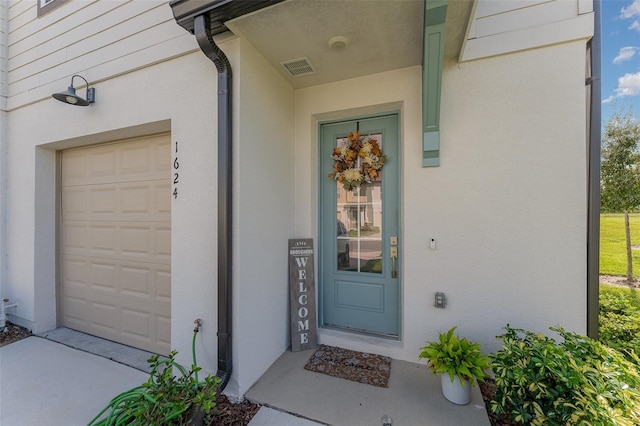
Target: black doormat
{"type": "Point", "coordinates": [359, 367]}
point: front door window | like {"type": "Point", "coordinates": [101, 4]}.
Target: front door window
{"type": "Point", "coordinates": [360, 226]}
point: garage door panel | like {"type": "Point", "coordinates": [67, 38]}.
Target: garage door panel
{"type": "Point", "coordinates": [143, 159]}
{"type": "Point", "coordinates": [76, 309]}
{"type": "Point", "coordinates": [75, 205]}
{"type": "Point", "coordinates": [150, 201]}
{"type": "Point", "coordinates": [136, 281]}
{"type": "Point", "coordinates": [140, 201]}
{"type": "Point", "coordinates": [103, 315]}
{"type": "Point", "coordinates": [102, 201]}
{"type": "Point", "coordinates": [102, 163]}
{"type": "Point", "coordinates": [163, 325]}
{"type": "Point", "coordinates": [162, 199]}
{"type": "Point", "coordinates": [127, 280]}
{"type": "Point", "coordinates": [136, 199]}
{"type": "Point", "coordinates": [75, 168]}
{"type": "Point", "coordinates": [163, 285]}
{"type": "Point", "coordinates": [135, 241]}
{"type": "Point", "coordinates": [74, 237]}
{"type": "Point", "coordinates": [136, 159]}
{"type": "Point", "coordinates": [162, 156]}
{"type": "Point", "coordinates": [162, 236]}
{"type": "Point", "coordinates": [103, 240]}
{"type": "Point", "coordinates": [103, 276]}
{"type": "Point", "coordinates": [136, 324]}
{"type": "Point", "coordinates": [116, 242]}
{"type": "Point", "coordinates": [75, 270]}
{"type": "Point", "coordinates": [144, 242]}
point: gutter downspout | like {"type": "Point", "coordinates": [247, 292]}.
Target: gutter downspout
{"type": "Point", "coordinates": [593, 215]}
{"type": "Point", "coordinates": [207, 45]}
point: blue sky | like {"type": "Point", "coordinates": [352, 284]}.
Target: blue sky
{"type": "Point", "coordinates": [620, 56]}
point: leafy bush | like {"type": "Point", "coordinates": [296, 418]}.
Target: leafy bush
{"type": "Point", "coordinates": [578, 381]}
{"type": "Point", "coordinates": [164, 399]}
{"type": "Point", "coordinates": [619, 320]}
{"type": "Point", "coordinates": [456, 357]}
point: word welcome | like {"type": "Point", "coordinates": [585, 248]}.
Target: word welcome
{"type": "Point", "coordinates": [302, 295]}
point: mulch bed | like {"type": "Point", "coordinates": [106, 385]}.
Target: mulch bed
{"type": "Point", "coordinates": [13, 333]}
{"type": "Point", "coordinates": [230, 414]}
{"type": "Point", "coordinates": [359, 367]}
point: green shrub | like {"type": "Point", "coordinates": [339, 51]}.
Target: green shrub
{"type": "Point", "coordinates": [168, 398]}
{"type": "Point", "coordinates": [456, 356]}
{"type": "Point", "coordinates": [578, 381]}
{"type": "Point", "coordinates": [619, 320]}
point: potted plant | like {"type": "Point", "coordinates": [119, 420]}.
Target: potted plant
{"type": "Point", "coordinates": [459, 362]}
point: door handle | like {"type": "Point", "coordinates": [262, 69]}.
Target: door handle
{"type": "Point", "coordinates": [393, 252]}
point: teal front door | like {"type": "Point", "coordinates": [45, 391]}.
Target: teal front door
{"type": "Point", "coordinates": [359, 233]}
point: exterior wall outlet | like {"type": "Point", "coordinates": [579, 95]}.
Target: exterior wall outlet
{"type": "Point", "coordinates": [441, 300]}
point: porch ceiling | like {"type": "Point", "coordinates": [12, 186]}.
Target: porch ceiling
{"type": "Point", "coordinates": [383, 35]}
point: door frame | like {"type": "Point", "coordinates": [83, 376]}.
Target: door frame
{"type": "Point", "coordinates": [321, 176]}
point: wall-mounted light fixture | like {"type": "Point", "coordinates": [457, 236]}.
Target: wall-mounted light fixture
{"type": "Point", "coordinates": [70, 97]}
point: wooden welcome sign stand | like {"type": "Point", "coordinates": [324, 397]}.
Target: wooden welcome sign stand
{"type": "Point", "coordinates": [302, 294]}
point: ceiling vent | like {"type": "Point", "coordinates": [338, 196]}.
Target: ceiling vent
{"type": "Point", "coordinates": [298, 67]}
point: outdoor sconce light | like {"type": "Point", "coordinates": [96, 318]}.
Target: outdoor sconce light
{"type": "Point", "coordinates": [441, 300]}
{"type": "Point", "coordinates": [70, 97]}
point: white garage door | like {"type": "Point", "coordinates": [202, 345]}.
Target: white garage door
{"type": "Point", "coordinates": [116, 241]}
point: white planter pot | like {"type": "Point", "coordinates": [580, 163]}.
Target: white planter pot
{"type": "Point", "coordinates": [454, 391]}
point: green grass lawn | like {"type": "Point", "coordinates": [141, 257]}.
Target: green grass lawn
{"type": "Point", "coordinates": [613, 254]}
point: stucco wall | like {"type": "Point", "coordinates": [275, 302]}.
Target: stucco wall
{"type": "Point", "coordinates": [506, 207]}
{"type": "Point", "coordinates": [264, 206]}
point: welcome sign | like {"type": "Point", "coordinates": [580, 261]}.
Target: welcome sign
{"type": "Point", "coordinates": [302, 293]}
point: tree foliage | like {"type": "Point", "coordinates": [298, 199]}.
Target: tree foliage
{"type": "Point", "coordinates": [620, 180]}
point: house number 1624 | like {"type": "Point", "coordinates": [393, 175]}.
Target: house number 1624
{"type": "Point", "coordinates": [176, 165]}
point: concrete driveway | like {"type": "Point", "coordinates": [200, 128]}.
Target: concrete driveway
{"type": "Point", "coordinates": [46, 383]}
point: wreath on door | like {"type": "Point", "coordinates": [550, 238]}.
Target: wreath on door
{"type": "Point", "coordinates": [359, 160]}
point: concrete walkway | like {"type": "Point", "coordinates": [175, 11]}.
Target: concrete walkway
{"type": "Point", "coordinates": [45, 383]}
{"type": "Point", "coordinates": [413, 398]}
